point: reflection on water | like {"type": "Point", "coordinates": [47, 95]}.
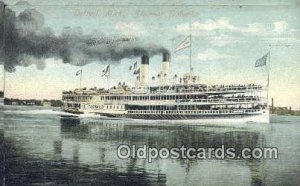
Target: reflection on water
{"type": "Point", "coordinates": [112, 133]}
{"type": "Point", "coordinates": [53, 149]}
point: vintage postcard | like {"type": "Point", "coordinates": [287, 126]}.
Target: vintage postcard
{"type": "Point", "coordinates": [150, 93]}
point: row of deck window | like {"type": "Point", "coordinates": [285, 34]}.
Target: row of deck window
{"type": "Point", "coordinates": [110, 107]}
{"type": "Point", "coordinates": [77, 98]}
{"type": "Point", "coordinates": [156, 97]}
{"type": "Point", "coordinates": [191, 107]}
{"type": "Point", "coordinates": [190, 111]}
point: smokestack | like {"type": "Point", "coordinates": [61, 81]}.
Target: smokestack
{"type": "Point", "coordinates": [166, 57]}
{"type": "Point", "coordinates": [145, 60]}
{"type": "Point", "coordinates": [165, 68]}
{"type": "Point", "coordinates": [144, 70]}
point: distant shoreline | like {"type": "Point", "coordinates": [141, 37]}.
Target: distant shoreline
{"type": "Point", "coordinates": [283, 111]}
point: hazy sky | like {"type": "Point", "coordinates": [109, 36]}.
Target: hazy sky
{"type": "Point", "coordinates": [225, 44]}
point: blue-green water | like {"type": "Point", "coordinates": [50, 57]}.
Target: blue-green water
{"type": "Point", "coordinates": [45, 147]}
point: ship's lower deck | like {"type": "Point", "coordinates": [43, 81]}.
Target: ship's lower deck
{"type": "Point", "coordinates": [246, 115]}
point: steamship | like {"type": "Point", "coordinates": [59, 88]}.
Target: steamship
{"type": "Point", "coordinates": [187, 99]}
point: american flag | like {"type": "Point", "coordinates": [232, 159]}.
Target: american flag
{"type": "Point", "coordinates": [262, 61]}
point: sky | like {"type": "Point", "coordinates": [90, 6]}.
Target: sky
{"type": "Point", "coordinates": [226, 42]}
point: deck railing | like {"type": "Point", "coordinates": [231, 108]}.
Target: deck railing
{"type": "Point", "coordinates": [195, 112]}
{"type": "Point", "coordinates": [178, 90]}
{"type": "Point", "coordinates": [184, 101]}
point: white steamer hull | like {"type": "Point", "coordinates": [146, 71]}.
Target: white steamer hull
{"type": "Point", "coordinates": [259, 117]}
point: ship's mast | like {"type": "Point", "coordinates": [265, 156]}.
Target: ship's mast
{"type": "Point", "coordinates": [80, 79]}
{"type": "Point", "coordinates": [191, 68]}
{"type": "Point", "coordinates": [268, 71]}
{"type": "Point", "coordinates": [108, 78]}
{"type": "Point", "coordinates": [4, 50]}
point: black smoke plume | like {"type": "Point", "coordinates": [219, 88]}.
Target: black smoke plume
{"type": "Point", "coordinates": [28, 41]}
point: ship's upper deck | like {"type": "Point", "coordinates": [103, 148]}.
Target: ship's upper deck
{"type": "Point", "coordinates": [169, 89]}
{"type": "Point", "coordinates": [188, 84]}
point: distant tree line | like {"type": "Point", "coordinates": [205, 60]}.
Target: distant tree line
{"type": "Point", "coordinates": [284, 111]}
{"type": "Point", "coordinates": [53, 102]}
{"type": "Point", "coordinates": [12, 101]}
{"type": "Point", "coordinates": [33, 102]}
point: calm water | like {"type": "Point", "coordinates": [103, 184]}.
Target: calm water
{"type": "Point", "coordinates": [43, 147]}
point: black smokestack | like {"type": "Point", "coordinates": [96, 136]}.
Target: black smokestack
{"type": "Point", "coordinates": [166, 57]}
{"type": "Point", "coordinates": [29, 42]}
{"type": "Point", "coordinates": [145, 60]}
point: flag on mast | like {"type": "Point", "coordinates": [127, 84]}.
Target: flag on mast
{"type": "Point", "coordinates": [133, 67]}
{"type": "Point", "coordinates": [184, 44]}
{"type": "Point", "coordinates": [106, 71]}
{"type": "Point", "coordinates": [262, 61]}
{"type": "Point", "coordinates": [137, 71]}
{"type": "Point", "coordinates": [78, 72]}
